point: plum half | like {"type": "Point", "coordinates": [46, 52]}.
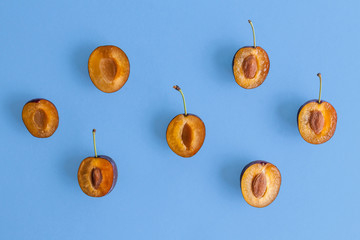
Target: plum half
{"type": "Point", "coordinates": [260, 183]}
{"type": "Point", "coordinates": [40, 117]}
{"type": "Point", "coordinates": [317, 120]}
{"type": "Point", "coordinates": [250, 65]}
{"type": "Point", "coordinates": [185, 133]}
{"type": "Point", "coordinates": [109, 68]}
{"type": "Point", "coordinates": [97, 176]}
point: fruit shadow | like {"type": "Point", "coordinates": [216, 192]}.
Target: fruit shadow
{"type": "Point", "coordinates": [70, 163]}
{"type": "Point", "coordinates": [230, 173]}
{"type": "Point", "coordinates": [79, 60]}
{"type": "Point", "coordinates": [160, 123]}
{"type": "Point", "coordinates": [286, 113]}
{"type": "Point", "coordinates": [223, 57]}
{"type": "Point", "coordinates": [14, 104]}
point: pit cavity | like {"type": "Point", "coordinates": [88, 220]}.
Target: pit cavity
{"type": "Point", "coordinates": [40, 118]}
{"type": "Point", "coordinates": [108, 68]}
{"type": "Point", "coordinates": [186, 135]}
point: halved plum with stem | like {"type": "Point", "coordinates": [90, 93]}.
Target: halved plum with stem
{"type": "Point", "coordinates": [97, 175]}
{"type": "Point", "coordinates": [40, 117]}
{"type": "Point", "coordinates": [109, 68]}
{"type": "Point", "coordinates": [317, 120]}
{"type": "Point", "coordinates": [260, 183]}
{"type": "Point", "coordinates": [185, 133]}
{"type": "Point", "coordinates": [251, 65]}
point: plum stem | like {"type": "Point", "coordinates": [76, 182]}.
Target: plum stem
{"type": "Point", "coordinates": [94, 131]}
{"type": "Point", "coordinates": [183, 97]}
{"type": "Point", "coordinates": [319, 75]}
{"type": "Point", "coordinates": [253, 31]}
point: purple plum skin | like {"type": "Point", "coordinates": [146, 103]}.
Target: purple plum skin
{"type": "Point", "coordinates": [113, 164]}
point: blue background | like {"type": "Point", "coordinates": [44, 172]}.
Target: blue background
{"type": "Point", "coordinates": [45, 47]}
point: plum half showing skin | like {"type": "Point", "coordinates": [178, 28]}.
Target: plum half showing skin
{"type": "Point", "coordinates": [317, 120]}
{"type": "Point", "coordinates": [185, 133]}
{"type": "Point", "coordinates": [40, 117]}
{"type": "Point", "coordinates": [97, 176]}
{"type": "Point", "coordinates": [250, 65]}
{"type": "Point", "coordinates": [260, 183]}
{"type": "Point", "coordinates": [109, 68]}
